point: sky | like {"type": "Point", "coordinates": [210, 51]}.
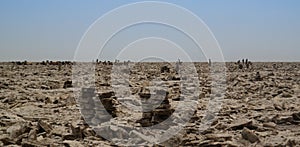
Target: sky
{"type": "Point", "coordinates": [260, 30]}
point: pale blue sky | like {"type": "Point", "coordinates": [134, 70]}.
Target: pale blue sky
{"type": "Point", "coordinates": [261, 30]}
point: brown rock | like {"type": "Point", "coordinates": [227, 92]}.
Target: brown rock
{"type": "Point", "coordinates": [286, 95]}
{"type": "Point", "coordinates": [58, 131]}
{"type": "Point", "coordinates": [164, 69]}
{"type": "Point", "coordinates": [17, 129]}
{"type": "Point", "coordinates": [106, 94]}
{"type": "Point", "coordinates": [249, 135]}
{"type": "Point", "coordinates": [88, 132]}
{"type": "Point", "coordinates": [45, 126]}
{"type": "Point", "coordinates": [218, 136]}
{"type": "Point", "coordinates": [77, 128]}
{"type": "Point", "coordinates": [69, 136]}
{"type": "Point", "coordinates": [73, 143]}
{"type": "Point", "coordinates": [32, 134]}
{"type": "Point", "coordinates": [145, 95]}
{"type": "Point", "coordinates": [283, 119]}
{"type": "Point", "coordinates": [4, 138]}
{"type": "Point", "coordinates": [296, 116]}
{"type": "Point", "coordinates": [269, 125]}
{"type": "Point", "coordinates": [241, 124]}
{"type": "Point", "coordinates": [67, 84]}
{"type": "Point", "coordinates": [26, 143]}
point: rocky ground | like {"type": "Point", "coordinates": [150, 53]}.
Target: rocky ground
{"type": "Point", "coordinates": [261, 106]}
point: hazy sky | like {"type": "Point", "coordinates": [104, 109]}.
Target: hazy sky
{"type": "Point", "coordinates": [261, 30]}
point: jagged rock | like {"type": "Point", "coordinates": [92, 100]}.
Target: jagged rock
{"type": "Point", "coordinates": [165, 69]}
{"type": "Point", "coordinates": [112, 131]}
{"type": "Point", "coordinates": [283, 119]}
{"type": "Point", "coordinates": [67, 84]}
{"type": "Point", "coordinates": [296, 116]}
{"type": "Point", "coordinates": [241, 124]}
{"type": "Point", "coordinates": [44, 87]}
{"type": "Point", "coordinates": [31, 143]}
{"type": "Point", "coordinates": [218, 136]}
{"type": "Point", "coordinates": [59, 131]}
{"type": "Point", "coordinates": [106, 94]}
{"type": "Point", "coordinates": [208, 143]}
{"type": "Point", "coordinates": [249, 135]}
{"type": "Point", "coordinates": [73, 143]}
{"type": "Point", "coordinates": [88, 132]}
{"type": "Point", "coordinates": [17, 129]}
{"type": "Point", "coordinates": [257, 77]}
{"type": "Point", "coordinates": [145, 95]}
{"type": "Point", "coordinates": [44, 126]}
{"type": "Point", "coordinates": [269, 125]}
{"type": "Point", "coordinates": [32, 134]}
{"type": "Point", "coordinates": [5, 139]}
{"type": "Point", "coordinates": [69, 136]}
{"type": "Point", "coordinates": [8, 100]}
{"type": "Point", "coordinates": [108, 103]}
{"type": "Point", "coordinates": [136, 134]}
{"type": "Point", "coordinates": [286, 95]}
{"type": "Point", "coordinates": [77, 128]}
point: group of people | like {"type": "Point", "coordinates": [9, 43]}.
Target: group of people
{"type": "Point", "coordinates": [244, 63]}
{"type": "Point", "coordinates": [47, 62]}
{"type": "Point", "coordinates": [110, 62]}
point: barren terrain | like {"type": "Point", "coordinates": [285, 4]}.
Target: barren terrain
{"type": "Point", "coordinates": [38, 107]}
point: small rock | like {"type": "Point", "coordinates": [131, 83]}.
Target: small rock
{"type": "Point", "coordinates": [106, 94]}
{"type": "Point", "coordinates": [145, 95]}
{"type": "Point", "coordinates": [17, 130]}
{"type": "Point", "coordinates": [44, 87]}
{"type": "Point", "coordinates": [68, 136]}
{"type": "Point", "coordinates": [296, 116]}
{"type": "Point", "coordinates": [68, 84]}
{"type": "Point", "coordinates": [4, 138]}
{"type": "Point", "coordinates": [269, 125]}
{"type": "Point", "coordinates": [142, 136]}
{"type": "Point", "coordinates": [8, 100]}
{"type": "Point", "coordinates": [258, 77]}
{"type": "Point", "coordinates": [286, 95]}
{"type": "Point", "coordinates": [241, 124]}
{"type": "Point", "coordinates": [283, 119]}
{"type": "Point", "coordinates": [249, 135]}
{"type": "Point", "coordinates": [88, 132]}
{"type": "Point", "coordinates": [31, 144]}
{"type": "Point", "coordinates": [40, 138]}
{"type": "Point", "coordinates": [72, 143]}
{"type": "Point", "coordinates": [218, 136]}
{"type": "Point", "coordinates": [55, 101]}
{"type": "Point", "coordinates": [164, 69]}
{"type": "Point", "coordinates": [77, 128]}
{"type": "Point", "coordinates": [44, 126]}
{"type": "Point", "coordinates": [58, 131]}
{"type": "Point", "coordinates": [32, 134]}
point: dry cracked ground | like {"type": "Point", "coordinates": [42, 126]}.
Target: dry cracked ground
{"type": "Point", "coordinates": [38, 107]}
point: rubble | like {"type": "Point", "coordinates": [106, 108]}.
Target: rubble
{"type": "Point", "coordinates": [38, 107]}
